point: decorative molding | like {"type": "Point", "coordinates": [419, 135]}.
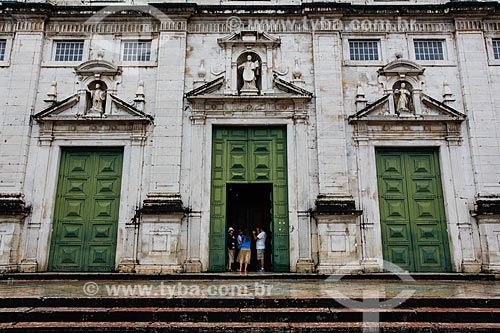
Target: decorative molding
{"type": "Point", "coordinates": [268, 24]}
{"type": "Point", "coordinates": [162, 203]}
{"type": "Point", "coordinates": [491, 26]}
{"type": "Point", "coordinates": [102, 27]}
{"type": "Point", "coordinates": [426, 118]}
{"type": "Point", "coordinates": [468, 25]}
{"type": "Point", "coordinates": [30, 25]}
{"type": "Point", "coordinates": [13, 204]}
{"type": "Point", "coordinates": [23, 25]}
{"type": "Point", "coordinates": [284, 107]}
{"type": "Point", "coordinates": [327, 204]}
{"type": "Point", "coordinates": [305, 24]}
{"type": "Point", "coordinates": [116, 27]}
{"type": "Point", "coordinates": [487, 205]}
{"type": "Point", "coordinates": [96, 68]}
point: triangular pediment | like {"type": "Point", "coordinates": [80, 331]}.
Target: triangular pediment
{"type": "Point", "coordinates": [286, 89]}
{"type": "Point", "coordinates": [249, 37]}
{"type": "Point", "coordinates": [291, 88]}
{"type": "Point", "coordinates": [99, 66]}
{"type": "Point", "coordinates": [70, 108]}
{"type": "Point", "coordinates": [206, 88]}
{"type": "Point", "coordinates": [431, 110]}
{"type": "Point", "coordinates": [65, 108]}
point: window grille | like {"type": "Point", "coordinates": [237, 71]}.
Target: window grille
{"type": "Point", "coordinates": [364, 49]}
{"type": "Point", "coordinates": [429, 49]}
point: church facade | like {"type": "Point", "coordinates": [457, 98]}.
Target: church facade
{"type": "Point", "coordinates": [360, 137]}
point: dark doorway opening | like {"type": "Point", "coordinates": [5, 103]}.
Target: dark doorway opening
{"type": "Point", "coordinates": [250, 206]}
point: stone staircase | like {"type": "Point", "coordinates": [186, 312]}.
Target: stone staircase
{"type": "Point", "coordinates": [151, 314]}
{"type": "Point", "coordinates": [60, 302]}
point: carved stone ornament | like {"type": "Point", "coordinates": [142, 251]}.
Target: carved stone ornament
{"type": "Point", "coordinates": [95, 107]}
{"type": "Point", "coordinates": [404, 111]}
{"type": "Point", "coordinates": [248, 54]}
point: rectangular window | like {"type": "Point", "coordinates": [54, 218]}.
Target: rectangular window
{"type": "Point", "coordinates": [137, 51]}
{"type": "Point", "coordinates": [496, 48]}
{"type": "Point", "coordinates": [364, 49]}
{"type": "Point", "coordinates": [69, 51]}
{"type": "Point", "coordinates": [429, 49]}
{"type": "Point", "coordinates": [3, 44]}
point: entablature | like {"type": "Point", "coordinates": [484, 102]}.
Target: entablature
{"type": "Point", "coordinates": [292, 107]}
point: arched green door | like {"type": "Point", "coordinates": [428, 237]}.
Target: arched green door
{"type": "Point", "coordinates": [249, 155]}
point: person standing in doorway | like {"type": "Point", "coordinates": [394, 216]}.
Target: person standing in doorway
{"type": "Point", "coordinates": [231, 248]}
{"type": "Point", "coordinates": [260, 245]}
{"type": "Point", "coordinates": [245, 254]}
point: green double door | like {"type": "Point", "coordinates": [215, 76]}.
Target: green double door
{"type": "Point", "coordinates": [86, 211]}
{"type": "Point", "coordinates": [414, 233]}
{"type": "Point", "coordinates": [249, 155]}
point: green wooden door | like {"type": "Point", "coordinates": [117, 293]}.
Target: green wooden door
{"type": "Point", "coordinates": [414, 233]}
{"type": "Point", "coordinates": [86, 211]}
{"type": "Point", "coordinates": [249, 155]}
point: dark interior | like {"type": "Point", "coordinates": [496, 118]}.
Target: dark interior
{"type": "Point", "coordinates": [250, 206]}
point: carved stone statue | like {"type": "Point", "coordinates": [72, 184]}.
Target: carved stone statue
{"type": "Point", "coordinates": [403, 102]}
{"type": "Point", "coordinates": [249, 76]}
{"type": "Point", "coordinates": [98, 97]}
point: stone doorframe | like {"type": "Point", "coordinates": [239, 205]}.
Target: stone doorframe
{"type": "Point", "coordinates": [198, 189]}
{"type": "Point", "coordinates": [43, 169]}
{"type": "Point", "coordinates": [463, 236]}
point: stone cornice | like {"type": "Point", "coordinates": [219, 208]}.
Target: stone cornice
{"type": "Point", "coordinates": [328, 16]}
{"type": "Point", "coordinates": [323, 8]}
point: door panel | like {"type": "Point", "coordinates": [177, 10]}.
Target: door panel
{"type": "Point", "coordinates": [86, 212]}
{"type": "Point", "coordinates": [249, 155]}
{"type": "Point", "coordinates": [411, 210]}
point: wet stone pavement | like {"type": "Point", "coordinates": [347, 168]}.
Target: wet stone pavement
{"type": "Point", "coordinates": [251, 287]}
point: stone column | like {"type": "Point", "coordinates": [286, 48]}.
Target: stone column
{"type": "Point", "coordinates": [370, 235]}
{"type": "Point", "coordinates": [168, 111]}
{"type": "Point", "coordinates": [465, 245]}
{"type": "Point", "coordinates": [193, 263]}
{"type": "Point", "coordinates": [481, 101]}
{"type": "Point", "coordinates": [162, 211]}
{"type": "Point", "coordinates": [18, 89]}
{"type": "Point", "coordinates": [305, 262]}
{"type": "Point", "coordinates": [128, 240]}
{"type": "Point", "coordinates": [332, 153]}
{"type": "Point", "coordinates": [37, 230]}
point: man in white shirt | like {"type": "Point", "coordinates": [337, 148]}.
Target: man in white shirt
{"type": "Point", "coordinates": [260, 245]}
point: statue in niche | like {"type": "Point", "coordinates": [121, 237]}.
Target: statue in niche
{"type": "Point", "coordinates": [403, 100]}
{"type": "Point", "coordinates": [97, 98]}
{"type": "Point", "coordinates": [250, 70]}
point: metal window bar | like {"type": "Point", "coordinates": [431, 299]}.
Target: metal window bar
{"type": "Point", "coordinates": [429, 49]}
{"type": "Point", "coordinates": [69, 51]}
{"type": "Point", "coordinates": [363, 49]}
{"type": "Point", "coordinates": [3, 44]}
{"type": "Point", "coordinates": [496, 48]}
{"type": "Point", "coordinates": [137, 51]}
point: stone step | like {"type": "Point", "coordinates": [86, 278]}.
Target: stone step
{"type": "Point", "coordinates": [241, 302]}
{"type": "Point", "coordinates": [47, 276]}
{"type": "Point", "coordinates": [201, 314]}
{"type": "Point", "coordinates": [229, 327]}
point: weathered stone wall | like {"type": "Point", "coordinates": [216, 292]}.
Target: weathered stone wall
{"type": "Point", "coordinates": [331, 164]}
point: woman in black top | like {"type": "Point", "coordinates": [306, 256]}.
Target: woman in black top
{"type": "Point", "coordinates": [231, 248]}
